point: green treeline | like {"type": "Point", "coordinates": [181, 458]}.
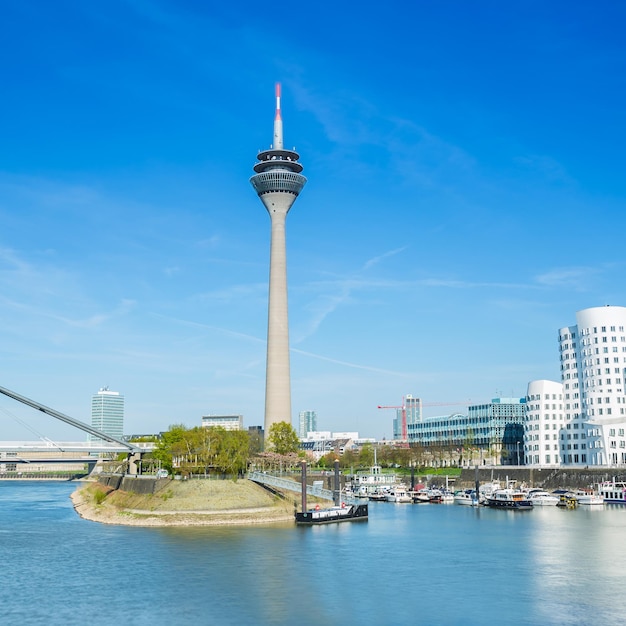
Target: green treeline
{"type": "Point", "coordinates": [202, 450]}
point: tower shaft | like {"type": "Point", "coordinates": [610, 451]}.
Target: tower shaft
{"type": "Point", "coordinates": [278, 374]}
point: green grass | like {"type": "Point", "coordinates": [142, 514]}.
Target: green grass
{"type": "Point", "coordinates": [99, 496]}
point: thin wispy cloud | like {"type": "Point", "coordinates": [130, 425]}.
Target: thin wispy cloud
{"type": "Point", "coordinates": [202, 326]}
{"type": "Point", "coordinates": [377, 259]}
{"type": "Point", "coordinates": [568, 277]}
{"type": "Point", "coordinates": [326, 304]}
{"type": "Point", "coordinates": [358, 366]}
{"type": "Point", "coordinates": [233, 293]}
{"type": "Point", "coordinates": [99, 319]}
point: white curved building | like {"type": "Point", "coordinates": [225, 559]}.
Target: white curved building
{"type": "Point", "coordinates": [592, 416]}
{"type": "Point", "coordinates": [543, 423]}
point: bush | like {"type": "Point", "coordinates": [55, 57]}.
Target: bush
{"type": "Point", "coordinates": [99, 496]}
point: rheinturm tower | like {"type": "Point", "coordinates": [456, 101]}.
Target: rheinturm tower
{"type": "Point", "coordinates": [278, 182]}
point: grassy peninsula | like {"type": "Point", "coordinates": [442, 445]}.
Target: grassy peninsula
{"type": "Point", "coordinates": [186, 503]}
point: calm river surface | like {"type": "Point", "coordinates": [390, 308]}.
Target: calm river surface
{"type": "Point", "coordinates": [410, 564]}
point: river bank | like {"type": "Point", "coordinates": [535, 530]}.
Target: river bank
{"type": "Point", "coordinates": [185, 503]}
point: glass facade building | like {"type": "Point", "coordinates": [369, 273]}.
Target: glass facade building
{"type": "Point", "coordinates": [307, 423]}
{"type": "Point", "coordinates": [497, 428]}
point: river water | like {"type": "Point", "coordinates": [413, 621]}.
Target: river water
{"type": "Point", "coordinates": [409, 564]}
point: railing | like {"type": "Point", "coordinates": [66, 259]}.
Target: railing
{"type": "Point", "coordinates": [291, 485]}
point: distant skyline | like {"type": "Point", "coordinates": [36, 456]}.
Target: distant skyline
{"type": "Point", "coordinates": [465, 197]}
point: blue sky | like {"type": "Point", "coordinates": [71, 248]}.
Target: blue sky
{"type": "Point", "coordinates": [465, 197]}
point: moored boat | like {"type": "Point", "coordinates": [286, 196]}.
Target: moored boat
{"type": "Point", "coordinates": [613, 492]}
{"type": "Point", "coordinates": [398, 494]}
{"type": "Point", "coordinates": [420, 496]}
{"type": "Point", "coordinates": [380, 495]}
{"type": "Point", "coordinates": [542, 498]}
{"type": "Point", "coordinates": [435, 496]}
{"type": "Point", "coordinates": [466, 497]}
{"type": "Point", "coordinates": [566, 498]}
{"type": "Point", "coordinates": [343, 513]}
{"type": "Point", "coordinates": [509, 499]}
{"type": "Point", "coordinates": [587, 498]}
{"type": "Point", "coordinates": [447, 496]}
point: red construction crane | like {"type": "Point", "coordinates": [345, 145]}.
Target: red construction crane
{"type": "Point", "coordinates": [405, 435]}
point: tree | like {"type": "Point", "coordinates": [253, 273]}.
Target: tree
{"type": "Point", "coordinates": [203, 450]}
{"type": "Point", "coordinates": [170, 439]}
{"type": "Point", "coordinates": [234, 452]}
{"type": "Point", "coordinates": [283, 438]}
{"type": "Point", "coordinates": [348, 459]}
{"type": "Point", "coordinates": [366, 455]}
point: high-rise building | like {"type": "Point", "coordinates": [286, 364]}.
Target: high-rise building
{"type": "Point", "coordinates": [587, 409]}
{"type": "Point", "coordinates": [409, 413]}
{"type": "Point", "coordinates": [278, 182]}
{"type": "Point", "coordinates": [307, 423]}
{"type": "Point", "coordinates": [107, 413]}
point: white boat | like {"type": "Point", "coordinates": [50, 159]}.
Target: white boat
{"type": "Point", "coordinates": [613, 492]}
{"type": "Point", "coordinates": [485, 491]}
{"type": "Point", "coordinates": [466, 497]}
{"type": "Point", "coordinates": [447, 496]}
{"type": "Point", "coordinates": [542, 498]}
{"type": "Point", "coordinates": [435, 496]}
{"type": "Point", "coordinates": [398, 494]}
{"type": "Point", "coordinates": [588, 499]}
{"type": "Point", "coordinates": [421, 495]}
{"type": "Point", "coordinates": [380, 495]}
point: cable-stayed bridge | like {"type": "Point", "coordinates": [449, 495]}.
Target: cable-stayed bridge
{"type": "Point", "coordinates": [102, 442]}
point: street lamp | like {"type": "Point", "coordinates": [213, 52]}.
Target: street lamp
{"type": "Point", "coordinates": [518, 452]}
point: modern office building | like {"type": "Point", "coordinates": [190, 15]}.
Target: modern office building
{"type": "Point", "coordinates": [227, 422]}
{"type": "Point", "coordinates": [107, 413]}
{"type": "Point", "coordinates": [307, 423]}
{"type": "Point", "coordinates": [278, 182]}
{"type": "Point", "coordinates": [495, 429]}
{"type": "Point", "coordinates": [588, 406]}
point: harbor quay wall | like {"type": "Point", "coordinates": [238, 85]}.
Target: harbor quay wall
{"type": "Point", "coordinates": [544, 478]}
{"type": "Point", "coordinates": [134, 484]}
{"type": "Point", "coordinates": [149, 484]}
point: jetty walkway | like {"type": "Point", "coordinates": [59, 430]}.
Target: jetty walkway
{"type": "Point", "coordinates": [287, 484]}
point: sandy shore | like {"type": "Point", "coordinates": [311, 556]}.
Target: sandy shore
{"type": "Point", "coordinates": [189, 503]}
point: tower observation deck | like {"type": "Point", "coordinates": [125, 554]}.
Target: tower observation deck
{"type": "Point", "coordinates": [278, 182]}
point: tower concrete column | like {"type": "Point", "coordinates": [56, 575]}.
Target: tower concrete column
{"type": "Point", "coordinates": [278, 377]}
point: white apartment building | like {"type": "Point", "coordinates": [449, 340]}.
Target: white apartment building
{"type": "Point", "coordinates": [227, 422]}
{"type": "Point", "coordinates": [543, 423]}
{"type": "Point", "coordinates": [587, 409]}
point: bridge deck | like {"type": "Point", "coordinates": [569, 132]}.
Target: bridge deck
{"type": "Point", "coordinates": [291, 485]}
